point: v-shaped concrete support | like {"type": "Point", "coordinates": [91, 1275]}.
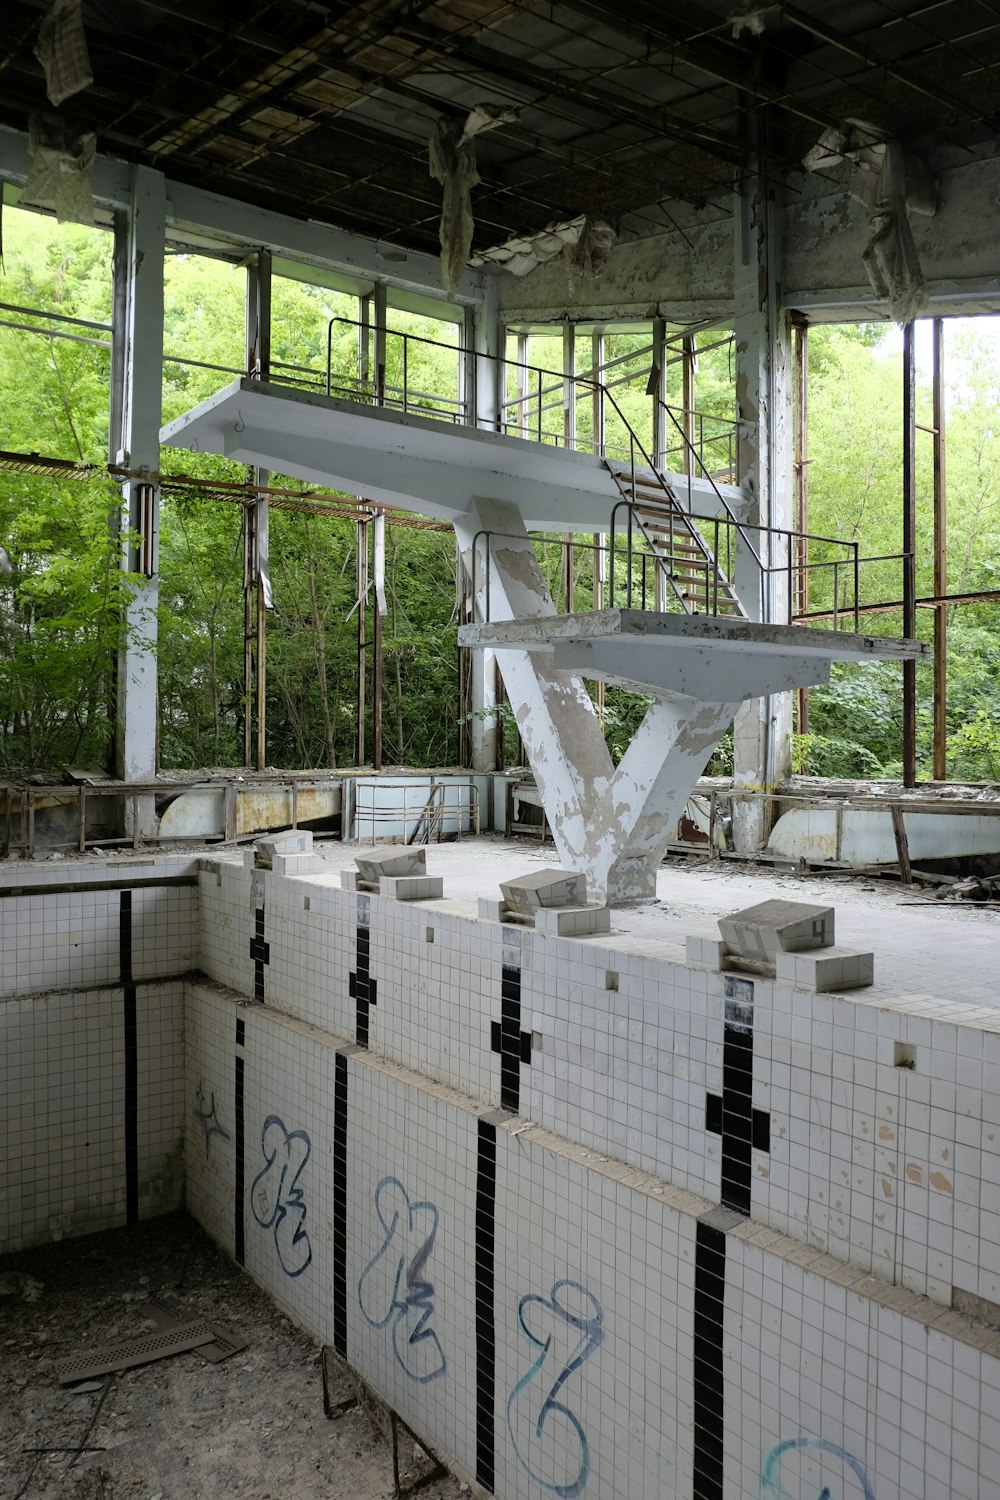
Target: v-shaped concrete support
{"type": "Point", "coordinates": [609, 823]}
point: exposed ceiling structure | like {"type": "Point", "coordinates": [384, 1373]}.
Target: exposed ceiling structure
{"type": "Point", "coordinates": [324, 110]}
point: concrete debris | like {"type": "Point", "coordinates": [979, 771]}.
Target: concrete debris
{"type": "Point", "coordinates": [62, 50]}
{"type": "Point", "coordinates": [973, 888]}
{"type": "Point", "coordinates": [892, 184]}
{"type": "Point", "coordinates": [26, 1287]}
{"type": "Point", "coordinates": [585, 242]}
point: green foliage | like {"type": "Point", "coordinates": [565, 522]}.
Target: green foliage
{"type": "Point", "coordinates": [855, 492]}
{"type": "Point", "coordinates": [974, 748]}
{"type": "Point", "coordinates": [823, 755]}
{"type": "Point", "coordinates": [61, 605]}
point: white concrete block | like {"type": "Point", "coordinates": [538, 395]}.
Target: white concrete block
{"type": "Point", "coordinates": [489, 910]}
{"type": "Point", "coordinates": [831, 969]}
{"type": "Point", "coordinates": [296, 841]}
{"type": "Point", "coordinates": [572, 921]}
{"type": "Point", "coordinates": [411, 887]}
{"type": "Point", "coordinates": [297, 864]}
{"type": "Point", "coordinates": [395, 859]}
{"type": "Point", "coordinates": [349, 880]}
{"type": "Point", "coordinates": [544, 888]}
{"type": "Point", "coordinates": [777, 926]}
{"type": "Point", "coordinates": [707, 952]}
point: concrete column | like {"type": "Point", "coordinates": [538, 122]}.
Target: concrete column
{"type": "Point", "coordinates": [484, 386]}
{"type": "Point", "coordinates": [140, 264]}
{"type": "Point", "coordinates": [762, 729]}
{"type": "Point", "coordinates": [609, 824]}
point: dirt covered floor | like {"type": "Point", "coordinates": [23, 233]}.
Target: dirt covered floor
{"type": "Point", "coordinates": [250, 1426]}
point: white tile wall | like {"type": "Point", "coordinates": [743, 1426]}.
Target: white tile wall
{"type": "Point", "coordinates": [62, 1111]}
{"type": "Point", "coordinates": [832, 1378]}
{"type": "Point", "coordinates": [880, 1193]}
{"type": "Point", "coordinates": [893, 1168]}
{"type": "Point", "coordinates": [70, 937]}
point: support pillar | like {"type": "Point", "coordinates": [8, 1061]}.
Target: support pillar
{"type": "Point", "coordinates": [762, 728]}
{"type": "Point", "coordinates": [256, 531]}
{"type": "Point", "coordinates": [940, 563]}
{"type": "Point", "coordinates": [909, 550]}
{"type": "Point", "coordinates": [484, 721]}
{"type": "Point", "coordinates": [140, 237]}
{"type": "Point", "coordinates": [610, 824]}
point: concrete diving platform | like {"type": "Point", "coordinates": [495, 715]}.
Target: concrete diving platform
{"type": "Point", "coordinates": [411, 462]}
{"type": "Point", "coordinates": [698, 656]}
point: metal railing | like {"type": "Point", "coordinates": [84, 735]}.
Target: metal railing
{"type": "Point", "coordinates": [634, 572]}
{"type": "Point", "coordinates": [390, 373]}
{"type": "Point", "coordinates": [638, 572]}
{"type": "Point", "coordinates": [444, 809]}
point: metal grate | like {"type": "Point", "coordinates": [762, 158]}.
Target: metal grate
{"type": "Point", "coordinates": [127, 1353]}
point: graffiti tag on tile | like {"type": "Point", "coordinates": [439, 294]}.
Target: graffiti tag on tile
{"type": "Point", "coordinates": [207, 1115]}
{"type": "Point", "coordinates": [564, 1329]}
{"type": "Point", "coordinates": [395, 1287]}
{"type": "Point", "coordinates": [808, 1468]}
{"type": "Point", "coordinates": [276, 1198]}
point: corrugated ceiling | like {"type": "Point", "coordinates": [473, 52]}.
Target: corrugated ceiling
{"type": "Point", "coordinates": [323, 111]}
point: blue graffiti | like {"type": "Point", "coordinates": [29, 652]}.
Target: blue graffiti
{"type": "Point", "coordinates": [208, 1118]}
{"type": "Point", "coordinates": [394, 1286]}
{"type": "Point", "coordinates": [276, 1198]}
{"type": "Point", "coordinates": [566, 1328]}
{"type": "Point", "coordinates": [808, 1468]}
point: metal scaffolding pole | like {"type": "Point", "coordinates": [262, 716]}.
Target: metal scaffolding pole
{"type": "Point", "coordinates": [136, 409]}
{"type": "Point", "coordinates": [800, 474]}
{"type": "Point", "coordinates": [378, 551]}
{"type": "Point", "coordinates": [569, 441]}
{"type": "Point", "coordinates": [940, 562]}
{"type": "Point", "coordinates": [909, 551]}
{"type": "Point", "coordinates": [596, 362]}
{"type": "Point", "coordinates": [256, 530]}
{"type": "Point", "coordinates": [362, 622]}
{"type": "Point", "coordinates": [689, 355]}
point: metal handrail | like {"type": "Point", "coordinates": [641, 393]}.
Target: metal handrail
{"type": "Point", "coordinates": [529, 407]}
{"type": "Point", "coordinates": [639, 562]}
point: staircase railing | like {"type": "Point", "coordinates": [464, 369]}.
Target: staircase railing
{"type": "Point", "coordinates": [375, 385]}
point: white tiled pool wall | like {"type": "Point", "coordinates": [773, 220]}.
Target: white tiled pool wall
{"type": "Point", "coordinates": [589, 1271]}
{"type": "Point", "coordinates": [895, 1168]}
{"type": "Point", "coordinates": [457, 1254]}
{"type": "Point", "coordinates": [91, 1044]}
{"type": "Point", "coordinates": [604, 1211]}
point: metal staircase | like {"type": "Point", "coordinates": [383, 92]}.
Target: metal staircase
{"type": "Point", "coordinates": [678, 557]}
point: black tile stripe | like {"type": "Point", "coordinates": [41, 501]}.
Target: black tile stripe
{"type": "Point", "coordinates": [340, 1205]}
{"type": "Point", "coordinates": [260, 952]}
{"type": "Point", "coordinates": [125, 937]}
{"type": "Point", "coordinates": [130, 1017]}
{"type": "Point", "coordinates": [731, 1115]}
{"type": "Point", "coordinates": [361, 987]}
{"type": "Point", "coordinates": [486, 1198]}
{"type": "Point", "coordinates": [507, 1038]}
{"type": "Point", "coordinates": [709, 1296]}
{"type": "Point", "coordinates": [239, 1196]}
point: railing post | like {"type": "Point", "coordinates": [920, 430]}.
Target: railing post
{"type": "Point", "coordinates": [857, 590]}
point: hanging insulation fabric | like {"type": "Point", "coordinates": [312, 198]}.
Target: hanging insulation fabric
{"type": "Point", "coordinates": [62, 50]}
{"type": "Point", "coordinates": [452, 161]}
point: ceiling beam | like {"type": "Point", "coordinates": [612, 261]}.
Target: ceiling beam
{"type": "Point", "coordinates": [246, 226]}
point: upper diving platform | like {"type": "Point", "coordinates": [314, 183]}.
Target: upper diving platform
{"type": "Point", "coordinates": [411, 462]}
